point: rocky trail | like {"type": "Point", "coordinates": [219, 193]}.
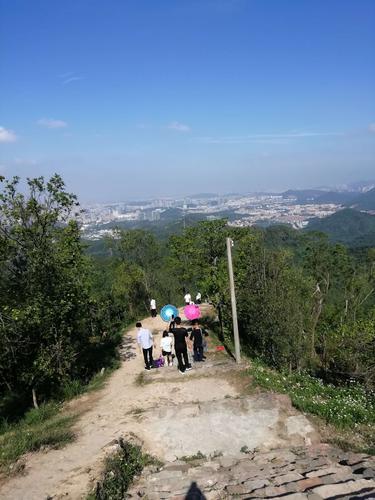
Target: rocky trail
{"type": "Point", "coordinates": [214, 440]}
{"type": "Point", "coordinates": [313, 472]}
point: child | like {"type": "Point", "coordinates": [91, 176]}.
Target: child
{"type": "Point", "coordinates": [196, 336]}
{"type": "Point", "coordinates": [166, 347]}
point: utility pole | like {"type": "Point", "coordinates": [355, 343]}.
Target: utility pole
{"type": "Point", "coordinates": [233, 300]}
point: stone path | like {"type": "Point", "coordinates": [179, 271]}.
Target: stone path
{"type": "Point", "coordinates": [314, 473]}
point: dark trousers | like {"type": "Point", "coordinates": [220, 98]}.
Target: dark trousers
{"type": "Point", "coordinates": [153, 313]}
{"type": "Point", "coordinates": [182, 363]}
{"type": "Point", "coordinates": [198, 352]}
{"type": "Point", "coordinates": [147, 354]}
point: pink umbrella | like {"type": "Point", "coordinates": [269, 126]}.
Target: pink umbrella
{"type": "Point", "coordinates": [192, 311]}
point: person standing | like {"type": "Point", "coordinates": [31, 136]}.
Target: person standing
{"type": "Point", "coordinates": [197, 336]}
{"type": "Point", "coordinates": [166, 347]}
{"type": "Point", "coordinates": [187, 298]}
{"type": "Point", "coordinates": [198, 298]}
{"type": "Point", "coordinates": [172, 323]}
{"type": "Point", "coordinates": [145, 342]}
{"type": "Point", "coordinates": [153, 308]}
{"type": "Point", "coordinates": [180, 335]}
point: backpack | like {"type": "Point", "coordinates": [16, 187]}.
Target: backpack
{"type": "Point", "coordinates": [158, 363]}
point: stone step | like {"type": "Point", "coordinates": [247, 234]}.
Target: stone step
{"type": "Point", "coordinates": [314, 473]}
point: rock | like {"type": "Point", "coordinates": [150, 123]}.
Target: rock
{"type": "Point", "coordinates": [287, 478]}
{"type": "Point", "coordinates": [227, 461]}
{"type": "Point", "coordinates": [181, 466]}
{"type": "Point", "coordinates": [272, 491]}
{"type": "Point", "coordinates": [332, 490]}
{"type": "Point", "coordinates": [168, 474]}
{"type": "Point", "coordinates": [255, 484]}
{"type": "Point", "coordinates": [368, 473]}
{"type": "Point", "coordinates": [307, 484]}
{"type": "Point", "coordinates": [325, 471]}
{"type": "Point", "coordinates": [295, 496]}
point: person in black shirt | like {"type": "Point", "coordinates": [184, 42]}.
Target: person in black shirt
{"type": "Point", "coordinates": [172, 323]}
{"type": "Point", "coordinates": [197, 337]}
{"type": "Point", "coordinates": [180, 335]}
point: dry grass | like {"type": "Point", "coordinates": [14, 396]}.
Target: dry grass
{"type": "Point", "coordinates": [360, 439]}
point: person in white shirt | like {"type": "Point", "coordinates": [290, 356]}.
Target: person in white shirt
{"type": "Point", "coordinates": [146, 343]}
{"type": "Point", "coordinates": [153, 308]}
{"type": "Point", "coordinates": [198, 298]}
{"type": "Point", "coordinates": [187, 299]}
{"type": "Point", "coordinates": [166, 347]}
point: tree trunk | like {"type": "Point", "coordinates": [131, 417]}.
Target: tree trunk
{"type": "Point", "coordinates": [35, 401]}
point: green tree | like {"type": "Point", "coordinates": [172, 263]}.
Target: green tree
{"type": "Point", "coordinates": [47, 317]}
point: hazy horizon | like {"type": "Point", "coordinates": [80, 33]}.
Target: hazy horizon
{"type": "Point", "coordinates": [138, 99]}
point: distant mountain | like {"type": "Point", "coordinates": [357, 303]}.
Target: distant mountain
{"type": "Point", "coordinates": [201, 196]}
{"type": "Point", "coordinates": [364, 201]}
{"type": "Point", "coordinates": [347, 198]}
{"type": "Point", "coordinates": [347, 226]}
{"type": "Point", "coordinates": [359, 186]}
{"type": "Point", "coordinates": [303, 195]}
{"type": "Point", "coordinates": [336, 197]}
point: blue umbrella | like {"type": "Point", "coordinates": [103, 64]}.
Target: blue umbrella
{"type": "Point", "coordinates": [168, 311]}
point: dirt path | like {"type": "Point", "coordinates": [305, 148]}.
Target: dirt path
{"type": "Point", "coordinates": [173, 414]}
{"type": "Point", "coordinates": [68, 472]}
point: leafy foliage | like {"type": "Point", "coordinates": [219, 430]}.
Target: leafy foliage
{"type": "Point", "coordinates": [120, 470]}
{"type": "Point", "coordinates": [303, 302]}
{"type": "Point", "coordinates": [52, 329]}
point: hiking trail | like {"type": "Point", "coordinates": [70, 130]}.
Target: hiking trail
{"type": "Point", "coordinates": [250, 446]}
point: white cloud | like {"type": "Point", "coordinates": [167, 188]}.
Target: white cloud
{"type": "Point", "coordinates": [7, 135]}
{"type": "Point", "coordinates": [371, 128]}
{"type": "Point", "coordinates": [264, 138]}
{"type": "Point", "coordinates": [24, 161]}
{"type": "Point", "coordinates": [51, 123]}
{"type": "Point", "coordinates": [72, 79]}
{"type": "Point", "coordinates": [69, 77]}
{"type": "Point", "coordinates": [179, 127]}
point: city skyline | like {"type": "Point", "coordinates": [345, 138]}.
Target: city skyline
{"type": "Point", "coordinates": [142, 99]}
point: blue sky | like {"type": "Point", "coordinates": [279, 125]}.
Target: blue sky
{"type": "Point", "coordinates": [131, 98]}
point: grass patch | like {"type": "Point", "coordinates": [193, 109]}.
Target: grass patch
{"type": "Point", "coordinates": [46, 426]}
{"type": "Point", "coordinates": [120, 471]}
{"type": "Point", "coordinates": [348, 410]}
{"type": "Point", "coordinates": [245, 449]}
{"type": "Point", "coordinates": [136, 411]}
{"type": "Point", "coordinates": [39, 428]}
{"type": "Point", "coordinates": [191, 458]}
{"type": "Point", "coordinates": [99, 379]}
{"type": "Point", "coordinates": [141, 379]}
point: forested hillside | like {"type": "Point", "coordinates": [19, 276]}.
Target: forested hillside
{"type": "Point", "coordinates": [354, 228]}
{"type": "Point", "coordinates": [304, 303]}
